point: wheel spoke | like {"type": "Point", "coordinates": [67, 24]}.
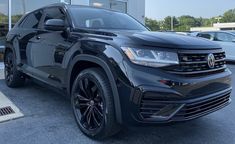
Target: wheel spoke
{"type": "Point", "coordinates": [82, 98]}
{"type": "Point", "coordinates": [86, 111]}
{"type": "Point", "coordinates": [100, 115]}
{"type": "Point", "coordinates": [8, 77]}
{"type": "Point", "coordinates": [87, 85]}
{"type": "Point", "coordinates": [83, 105]}
{"type": "Point", "coordinates": [97, 97]}
{"type": "Point", "coordinates": [89, 118]}
{"type": "Point", "coordinates": [84, 115]}
{"type": "Point", "coordinates": [11, 77]}
{"type": "Point", "coordinates": [95, 119]}
{"type": "Point", "coordinates": [7, 66]}
{"type": "Point", "coordinates": [82, 88]}
{"type": "Point", "coordinates": [94, 91]}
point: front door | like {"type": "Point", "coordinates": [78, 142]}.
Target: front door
{"type": "Point", "coordinates": [43, 54]}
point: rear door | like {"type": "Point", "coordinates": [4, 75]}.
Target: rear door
{"type": "Point", "coordinates": [25, 33]}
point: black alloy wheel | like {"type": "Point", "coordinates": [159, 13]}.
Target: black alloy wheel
{"type": "Point", "coordinates": [92, 103]}
{"type": "Point", "coordinates": [89, 104]}
{"type": "Point", "coordinates": [9, 68]}
{"type": "Point", "coordinates": [13, 77]}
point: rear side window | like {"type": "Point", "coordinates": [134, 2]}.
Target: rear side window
{"type": "Point", "coordinates": [209, 36]}
{"type": "Point", "coordinates": [32, 20]}
{"type": "Point", "coordinates": [224, 37]}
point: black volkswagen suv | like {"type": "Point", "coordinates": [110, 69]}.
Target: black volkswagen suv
{"type": "Point", "coordinates": [115, 71]}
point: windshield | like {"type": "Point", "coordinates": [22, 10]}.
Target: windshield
{"type": "Point", "coordinates": [94, 18]}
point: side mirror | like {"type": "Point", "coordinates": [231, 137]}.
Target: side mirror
{"type": "Point", "coordinates": [55, 25]}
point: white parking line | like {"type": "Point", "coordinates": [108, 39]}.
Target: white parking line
{"type": "Point", "coordinates": [5, 102]}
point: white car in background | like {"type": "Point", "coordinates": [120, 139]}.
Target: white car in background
{"type": "Point", "coordinates": [226, 39]}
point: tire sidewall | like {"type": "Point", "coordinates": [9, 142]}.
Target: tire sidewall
{"type": "Point", "coordinates": [97, 78]}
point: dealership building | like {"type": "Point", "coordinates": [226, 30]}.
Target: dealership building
{"type": "Point", "coordinates": [12, 10]}
{"type": "Point", "coordinates": [215, 27]}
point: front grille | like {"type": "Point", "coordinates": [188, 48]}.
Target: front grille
{"type": "Point", "coordinates": [195, 63]}
{"type": "Point", "coordinates": [197, 109]}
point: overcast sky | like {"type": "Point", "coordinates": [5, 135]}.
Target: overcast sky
{"type": "Point", "coordinates": [159, 9]}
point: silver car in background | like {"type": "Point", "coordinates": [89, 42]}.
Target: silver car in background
{"type": "Point", "coordinates": [226, 39]}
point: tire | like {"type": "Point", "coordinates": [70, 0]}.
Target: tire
{"type": "Point", "coordinates": [13, 77]}
{"type": "Point", "coordinates": [93, 106]}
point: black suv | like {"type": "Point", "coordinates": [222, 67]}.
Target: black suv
{"type": "Point", "coordinates": [115, 70]}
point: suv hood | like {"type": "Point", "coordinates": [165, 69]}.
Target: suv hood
{"type": "Point", "coordinates": [151, 39]}
{"type": "Point", "coordinates": [169, 40]}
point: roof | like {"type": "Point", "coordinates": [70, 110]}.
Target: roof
{"type": "Point", "coordinates": [81, 6]}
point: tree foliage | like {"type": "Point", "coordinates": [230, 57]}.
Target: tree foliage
{"type": "Point", "coordinates": [229, 16]}
{"type": "Point", "coordinates": [185, 22]}
{"type": "Point", "coordinates": [152, 24]}
{"type": "Point", "coordinates": [167, 22]}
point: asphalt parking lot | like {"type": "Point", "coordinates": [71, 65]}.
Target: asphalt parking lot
{"type": "Point", "coordinates": [48, 119]}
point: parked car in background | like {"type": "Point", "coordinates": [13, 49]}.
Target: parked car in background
{"type": "Point", "coordinates": [226, 39]}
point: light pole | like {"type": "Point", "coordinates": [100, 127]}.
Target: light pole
{"type": "Point", "coordinates": [24, 6]}
{"type": "Point", "coordinates": [9, 14]}
{"type": "Point", "coordinates": [172, 23]}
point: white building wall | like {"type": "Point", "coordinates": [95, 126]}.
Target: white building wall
{"type": "Point", "coordinates": [135, 8]}
{"type": "Point", "coordinates": [216, 27]}
{"type": "Point", "coordinates": [80, 2]}
{"type": "Point", "coordinates": [224, 25]}
{"type": "Point", "coordinates": [202, 29]}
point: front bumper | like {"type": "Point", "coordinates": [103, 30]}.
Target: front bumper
{"type": "Point", "coordinates": [162, 111]}
{"type": "Point", "coordinates": [157, 97]}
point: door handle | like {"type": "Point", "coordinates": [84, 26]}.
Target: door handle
{"type": "Point", "coordinates": [19, 35]}
{"type": "Point", "coordinates": [38, 37]}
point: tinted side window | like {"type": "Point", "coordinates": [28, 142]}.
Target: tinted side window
{"type": "Point", "coordinates": [224, 37]}
{"type": "Point", "coordinates": [209, 36]}
{"type": "Point", "coordinates": [32, 20]}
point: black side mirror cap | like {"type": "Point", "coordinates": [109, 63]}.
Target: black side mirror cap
{"type": "Point", "coordinates": [55, 25]}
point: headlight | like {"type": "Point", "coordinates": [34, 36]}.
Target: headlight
{"type": "Point", "coordinates": [152, 58]}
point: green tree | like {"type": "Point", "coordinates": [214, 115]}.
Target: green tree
{"type": "Point", "coordinates": [167, 22]}
{"type": "Point", "coordinates": [229, 16]}
{"type": "Point", "coordinates": [185, 22]}
{"type": "Point", "coordinates": [152, 24]}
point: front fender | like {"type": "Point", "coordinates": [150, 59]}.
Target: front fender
{"type": "Point", "coordinates": [106, 68]}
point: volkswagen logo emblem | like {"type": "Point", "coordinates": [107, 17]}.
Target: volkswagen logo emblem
{"type": "Point", "coordinates": [211, 60]}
